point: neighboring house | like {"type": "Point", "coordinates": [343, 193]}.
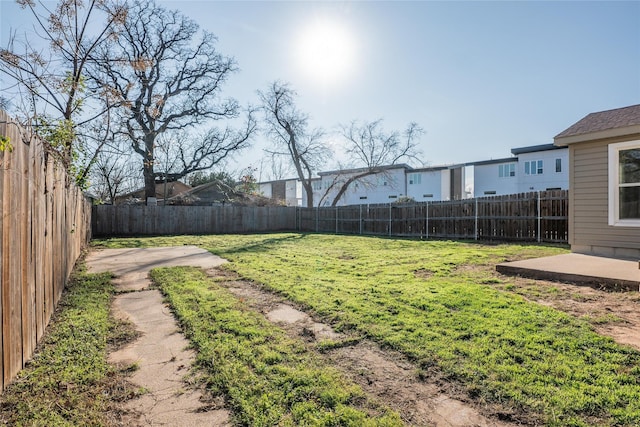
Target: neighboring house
{"type": "Point", "coordinates": [170, 189]}
{"type": "Point", "coordinates": [604, 177]}
{"type": "Point", "coordinates": [535, 168]}
{"type": "Point", "coordinates": [495, 177]}
{"type": "Point", "coordinates": [383, 187]}
{"type": "Point", "coordinates": [437, 183]}
{"type": "Point", "coordinates": [285, 191]}
{"type": "Point", "coordinates": [542, 167]}
{"type": "Point", "coordinates": [217, 193]}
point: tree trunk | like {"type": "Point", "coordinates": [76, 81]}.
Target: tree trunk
{"type": "Point", "coordinates": [308, 188]}
{"type": "Point", "coordinates": [148, 171]}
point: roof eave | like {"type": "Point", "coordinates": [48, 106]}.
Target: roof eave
{"type": "Point", "coordinates": [563, 141]}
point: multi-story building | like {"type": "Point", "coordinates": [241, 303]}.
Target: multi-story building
{"type": "Point", "coordinates": [535, 168]}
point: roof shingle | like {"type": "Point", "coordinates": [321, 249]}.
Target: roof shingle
{"type": "Point", "coordinates": [604, 120]}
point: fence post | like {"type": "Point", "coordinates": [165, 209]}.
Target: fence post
{"type": "Point", "coordinates": [427, 222]}
{"type": "Point", "coordinates": [390, 220]}
{"type": "Point", "coordinates": [317, 221]}
{"type": "Point", "coordinates": [539, 218]}
{"type": "Point", "coordinates": [476, 226]}
{"type": "Point", "coordinates": [360, 222]}
{"type": "Point", "coordinates": [336, 220]}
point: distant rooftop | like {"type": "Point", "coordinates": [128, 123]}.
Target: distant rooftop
{"type": "Point", "coordinates": [604, 120]}
{"type": "Point", "coordinates": [493, 161]}
{"type": "Point", "coordinates": [534, 149]}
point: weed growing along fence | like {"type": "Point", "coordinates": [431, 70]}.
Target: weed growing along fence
{"type": "Point", "coordinates": [538, 216]}
{"type": "Point", "coordinates": [44, 224]}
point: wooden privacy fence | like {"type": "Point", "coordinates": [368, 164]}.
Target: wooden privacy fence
{"type": "Point", "coordinates": [536, 216]}
{"type": "Point", "coordinates": [44, 224]}
{"type": "Point", "coordinates": [132, 220]}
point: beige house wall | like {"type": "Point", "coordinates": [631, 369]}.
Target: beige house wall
{"type": "Point", "coordinates": [589, 231]}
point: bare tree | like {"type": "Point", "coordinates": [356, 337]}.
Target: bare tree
{"type": "Point", "coordinates": [288, 127]}
{"type": "Point", "coordinates": [368, 145]}
{"type": "Point", "coordinates": [112, 176]}
{"type": "Point", "coordinates": [168, 81]}
{"type": "Point", "coordinates": [51, 83]}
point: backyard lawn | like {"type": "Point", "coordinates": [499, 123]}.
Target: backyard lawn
{"type": "Point", "coordinates": [439, 303]}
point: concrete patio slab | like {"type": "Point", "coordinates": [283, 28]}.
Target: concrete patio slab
{"type": "Point", "coordinates": [590, 270]}
{"type": "Point", "coordinates": [161, 352]}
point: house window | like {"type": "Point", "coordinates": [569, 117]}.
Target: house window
{"type": "Point", "coordinates": [533, 167]}
{"type": "Point", "coordinates": [507, 170]}
{"type": "Point", "coordinates": [427, 195]}
{"type": "Point", "coordinates": [415, 178]}
{"type": "Point", "coordinates": [393, 197]}
{"type": "Point", "coordinates": [558, 165]}
{"type": "Point", "coordinates": [317, 185]}
{"type": "Point", "coordinates": [624, 184]}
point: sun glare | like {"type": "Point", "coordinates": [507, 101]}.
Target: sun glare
{"type": "Point", "coordinates": [326, 52]}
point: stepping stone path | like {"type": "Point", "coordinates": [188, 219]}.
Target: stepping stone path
{"type": "Point", "coordinates": [160, 353]}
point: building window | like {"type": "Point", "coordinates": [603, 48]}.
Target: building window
{"type": "Point", "coordinates": [489, 193]}
{"type": "Point", "coordinates": [624, 184]}
{"type": "Point", "coordinates": [507, 170]}
{"type": "Point", "coordinates": [533, 167]}
{"type": "Point", "coordinates": [558, 165]}
{"type": "Point", "coordinates": [363, 197]}
{"type": "Point", "coordinates": [415, 178]}
{"type": "Point", "coordinates": [393, 197]}
{"type": "Point", "coordinates": [317, 185]}
{"type": "Point", "coordinates": [427, 195]}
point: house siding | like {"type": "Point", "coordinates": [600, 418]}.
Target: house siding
{"type": "Point", "coordinates": [589, 231]}
{"type": "Point", "coordinates": [486, 179]}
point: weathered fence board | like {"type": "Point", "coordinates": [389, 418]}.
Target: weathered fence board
{"type": "Point", "coordinates": [44, 224]}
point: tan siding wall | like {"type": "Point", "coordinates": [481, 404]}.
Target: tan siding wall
{"type": "Point", "coordinates": [589, 203]}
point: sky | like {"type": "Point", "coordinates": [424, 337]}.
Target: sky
{"type": "Point", "coordinates": [479, 77]}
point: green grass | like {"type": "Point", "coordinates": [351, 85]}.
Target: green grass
{"type": "Point", "coordinates": [439, 303]}
{"type": "Point", "coordinates": [69, 381]}
{"type": "Point", "coordinates": [267, 377]}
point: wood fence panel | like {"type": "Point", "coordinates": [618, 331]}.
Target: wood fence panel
{"type": "Point", "coordinates": [512, 217]}
{"type": "Point", "coordinates": [39, 216]}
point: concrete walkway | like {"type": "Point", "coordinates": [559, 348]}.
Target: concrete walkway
{"type": "Point", "coordinates": [590, 270]}
{"type": "Point", "coordinates": [160, 353]}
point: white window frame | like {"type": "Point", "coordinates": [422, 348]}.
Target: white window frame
{"type": "Point", "coordinates": [507, 170]}
{"type": "Point", "coordinates": [534, 167]}
{"type": "Point", "coordinates": [614, 185]}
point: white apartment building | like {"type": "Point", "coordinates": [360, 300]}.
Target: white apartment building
{"type": "Point", "coordinates": [534, 168]}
